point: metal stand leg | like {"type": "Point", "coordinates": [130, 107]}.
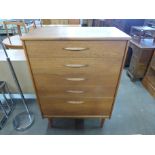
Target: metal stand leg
{"type": "Point", "coordinates": [7, 90]}
{"type": "Point", "coordinates": [6, 105]}
{"type": "Point", "coordinates": [25, 119]}
{"type": "Point", "coordinates": [3, 109]}
{"type": "Point", "coordinates": [6, 100]}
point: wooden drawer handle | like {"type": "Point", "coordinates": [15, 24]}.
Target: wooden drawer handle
{"type": "Point", "coordinates": [75, 91]}
{"type": "Point", "coordinates": [75, 49]}
{"type": "Point", "coordinates": [76, 65]}
{"type": "Point", "coordinates": [75, 79]}
{"type": "Point", "coordinates": [75, 102]}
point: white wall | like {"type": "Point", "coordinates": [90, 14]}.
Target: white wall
{"type": "Point", "coordinates": [21, 68]}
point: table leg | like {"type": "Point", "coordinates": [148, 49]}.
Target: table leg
{"type": "Point", "coordinates": [50, 123]}
{"type": "Point", "coordinates": [79, 123]}
{"type": "Point", "coordinates": [102, 122]}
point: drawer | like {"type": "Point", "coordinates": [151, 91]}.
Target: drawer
{"type": "Point", "coordinates": [146, 57]}
{"type": "Point", "coordinates": [75, 106]}
{"type": "Point", "coordinates": [136, 51]}
{"type": "Point", "coordinates": [74, 49]}
{"type": "Point", "coordinates": [76, 91]}
{"type": "Point", "coordinates": [153, 59]}
{"type": "Point", "coordinates": [61, 66]}
{"type": "Point", "coordinates": [48, 80]}
{"type": "Point", "coordinates": [133, 64]}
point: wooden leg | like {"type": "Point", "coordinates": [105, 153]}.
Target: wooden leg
{"type": "Point", "coordinates": [102, 122]}
{"type": "Point", "coordinates": [132, 78]}
{"type": "Point", "coordinates": [50, 123]}
{"type": "Point", "coordinates": [79, 123]}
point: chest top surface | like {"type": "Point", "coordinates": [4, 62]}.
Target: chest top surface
{"type": "Point", "coordinates": [76, 33]}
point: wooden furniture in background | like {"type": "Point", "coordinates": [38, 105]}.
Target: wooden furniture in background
{"type": "Point", "coordinates": [141, 56]}
{"type": "Point", "coordinates": [149, 79]}
{"type": "Point", "coordinates": [14, 42]}
{"type": "Point", "coordinates": [54, 21]}
{"type": "Point", "coordinates": [69, 69]}
{"type": "Point", "coordinates": [125, 25]}
{"type": "Point", "coordinates": [61, 21]}
{"type": "Point", "coordinates": [142, 32]}
{"type": "Point", "coordinates": [74, 21]}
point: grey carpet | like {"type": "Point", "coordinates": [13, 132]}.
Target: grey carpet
{"type": "Point", "coordinates": [134, 113]}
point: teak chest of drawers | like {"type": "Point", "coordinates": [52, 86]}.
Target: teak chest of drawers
{"type": "Point", "coordinates": [149, 79]}
{"type": "Point", "coordinates": [76, 70]}
{"type": "Point", "coordinates": [141, 56]}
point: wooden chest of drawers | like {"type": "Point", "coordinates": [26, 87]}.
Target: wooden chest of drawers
{"type": "Point", "coordinates": [141, 56]}
{"type": "Point", "coordinates": [76, 70]}
{"type": "Point", "coordinates": [149, 79]}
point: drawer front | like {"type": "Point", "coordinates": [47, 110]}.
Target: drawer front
{"type": "Point", "coordinates": [104, 80]}
{"type": "Point", "coordinates": [136, 51]}
{"type": "Point", "coordinates": [146, 56]}
{"type": "Point", "coordinates": [75, 106]}
{"type": "Point", "coordinates": [76, 91]}
{"type": "Point", "coordinates": [153, 61]}
{"type": "Point", "coordinates": [134, 59]}
{"type": "Point", "coordinates": [74, 49]}
{"type": "Point", "coordinates": [133, 64]}
{"type": "Point", "coordinates": [75, 78]}
{"type": "Point", "coordinates": [62, 66]}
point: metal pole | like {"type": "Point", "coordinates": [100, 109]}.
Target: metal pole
{"type": "Point", "coordinates": [5, 113]}
{"type": "Point", "coordinates": [8, 91]}
{"type": "Point", "coordinates": [18, 86]}
{"type": "Point", "coordinates": [16, 80]}
{"type": "Point", "coordinates": [23, 115]}
{"type": "Point", "coordinates": [6, 100]}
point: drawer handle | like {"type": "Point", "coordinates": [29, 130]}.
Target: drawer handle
{"type": "Point", "coordinates": [75, 102]}
{"type": "Point", "coordinates": [75, 91]}
{"type": "Point", "coordinates": [75, 79]}
{"type": "Point", "coordinates": [75, 49]}
{"type": "Point", "coordinates": [76, 65]}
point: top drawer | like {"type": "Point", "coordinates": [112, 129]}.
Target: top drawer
{"type": "Point", "coordinates": [74, 49]}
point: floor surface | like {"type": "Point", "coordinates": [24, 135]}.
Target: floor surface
{"type": "Point", "coordinates": [133, 113]}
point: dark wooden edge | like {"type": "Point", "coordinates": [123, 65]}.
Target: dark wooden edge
{"type": "Point", "coordinates": [82, 116]}
{"type": "Point", "coordinates": [12, 46]}
{"type": "Point", "coordinates": [120, 72]}
{"type": "Point", "coordinates": [147, 85]}
{"type": "Point", "coordinates": [31, 74]}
